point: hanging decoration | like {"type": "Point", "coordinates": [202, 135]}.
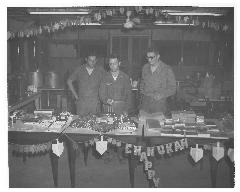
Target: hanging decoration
{"type": "Point", "coordinates": [32, 149]}
{"type": "Point", "coordinates": [196, 153]}
{"type": "Point", "coordinates": [101, 146]}
{"type": "Point", "coordinates": [57, 148]}
{"type": "Point", "coordinates": [162, 149]}
{"type": "Point", "coordinates": [230, 154]}
{"type": "Point", "coordinates": [121, 10]}
{"type": "Point", "coordinates": [130, 23]}
{"type": "Point", "coordinates": [218, 152]}
{"type": "Point", "coordinates": [225, 28]}
{"type": "Point", "coordinates": [144, 153]}
{"type": "Point", "coordinates": [99, 16]}
{"type": "Point", "coordinates": [138, 9]}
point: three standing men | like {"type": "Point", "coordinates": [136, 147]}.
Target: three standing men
{"type": "Point", "coordinates": [113, 88]}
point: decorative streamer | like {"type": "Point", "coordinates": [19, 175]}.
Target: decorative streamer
{"type": "Point", "coordinates": [137, 150]}
{"type": "Point", "coordinates": [101, 15]}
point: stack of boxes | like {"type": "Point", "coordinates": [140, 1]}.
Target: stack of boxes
{"type": "Point", "coordinates": [184, 116]}
{"type": "Point", "coordinates": [184, 122]}
{"type": "Point", "coordinates": [200, 119]}
{"type": "Point", "coordinates": [188, 117]}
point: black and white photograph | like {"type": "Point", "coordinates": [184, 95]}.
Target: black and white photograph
{"type": "Point", "coordinates": [120, 96]}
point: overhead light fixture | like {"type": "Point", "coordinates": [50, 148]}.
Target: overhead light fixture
{"type": "Point", "coordinates": [194, 13]}
{"type": "Point", "coordinates": [173, 24]}
{"type": "Point", "coordinates": [59, 12]}
{"type": "Point", "coordinates": [92, 24]}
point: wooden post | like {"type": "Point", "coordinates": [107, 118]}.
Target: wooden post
{"type": "Point", "coordinates": [25, 56]}
{"type": "Point", "coordinates": [9, 63]}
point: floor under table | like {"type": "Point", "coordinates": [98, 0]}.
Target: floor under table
{"type": "Point", "coordinates": [174, 172]}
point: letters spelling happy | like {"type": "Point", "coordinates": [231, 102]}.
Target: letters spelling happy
{"type": "Point", "coordinates": [161, 149]}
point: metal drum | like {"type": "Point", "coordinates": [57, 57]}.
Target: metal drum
{"type": "Point", "coordinates": [52, 80]}
{"type": "Point", "coordinates": [35, 78]}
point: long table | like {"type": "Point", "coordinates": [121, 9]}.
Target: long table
{"type": "Point", "coordinates": [67, 136]}
{"type": "Point", "coordinates": [35, 97]}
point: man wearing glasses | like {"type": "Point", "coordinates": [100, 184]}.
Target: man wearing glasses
{"type": "Point", "coordinates": [115, 89]}
{"type": "Point", "coordinates": [88, 77]}
{"type": "Point", "coordinates": [157, 84]}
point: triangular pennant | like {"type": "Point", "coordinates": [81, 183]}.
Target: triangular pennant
{"type": "Point", "coordinates": [37, 149]}
{"type": "Point", "coordinates": [109, 140]}
{"type": "Point", "coordinates": [114, 141]}
{"type": "Point", "coordinates": [207, 147]}
{"type": "Point", "coordinates": [21, 148]}
{"type": "Point", "coordinates": [91, 142]}
{"type": "Point", "coordinates": [86, 144]}
{"type": "Point", "coordinates": [31, 150]}
{"type": "Point", "coordinates": [49, 144]}
{"type": "Point", "coordinates": [101, 146]}
{"type": "Point", "coordinates": [118, 144]}
{"type": "Point", "coordinates": [218, 152]}
{"type": "Point", "coordinates": [57, 148]}
{"type": "Point", "coordinates": [40, 148]}
{"type": "Point", "coordinates": [75, 145]}
{"type": "Point", "coordinates": [231, 154]}
{"type": "Point", "coordinates": [196, 153]}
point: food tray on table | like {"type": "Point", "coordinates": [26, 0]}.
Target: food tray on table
{"type": "Point", "coordinates": [103, 124]}
{"type": "Point", "coordinates": [19, 125]}
{"type": "Point", "coordinates": [40, 126]}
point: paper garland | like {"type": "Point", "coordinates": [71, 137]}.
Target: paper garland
{"type": "Point", "coordinates": [144, 153]}
{"type": "Point", "coordinates": [169, 148]}
{"type": "Point", "coordinates": [33, 149]}
{"type": "Point", "coordinates": [196, 153]}
{"type": "Point", "coordinates": [101, 15]}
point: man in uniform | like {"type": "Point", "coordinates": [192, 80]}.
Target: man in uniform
{"type": "Point", "coordinates": [157, 84]}
{"type": "Point", "coordinates": [88, 77]}
{"type": "Point", "coordinates": [115, 89]}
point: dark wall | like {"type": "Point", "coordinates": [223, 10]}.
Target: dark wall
{"type": "Point", "coordinates": [187, 51]}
